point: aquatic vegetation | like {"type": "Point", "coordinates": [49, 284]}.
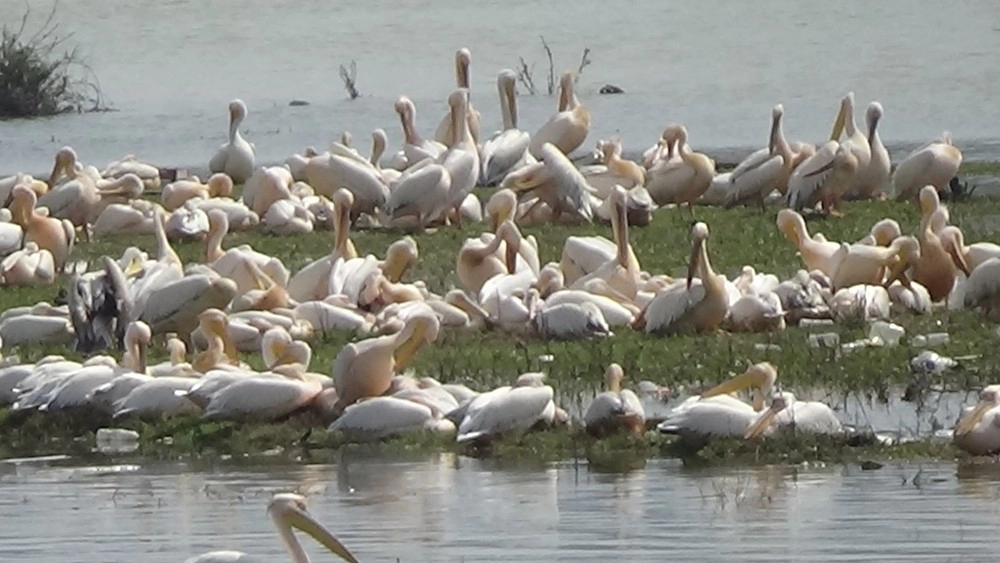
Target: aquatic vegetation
{"type": "Point", "coordinates": [36, 79]}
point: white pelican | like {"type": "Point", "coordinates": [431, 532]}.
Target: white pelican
{"type": "Point", "coordinates": [507, 149]}
{"type": "Point", "coordinates": [311, 282]}
{"type": "Point", "coordinates": [446, 130]}
{"type": "Point", "coordinates": [56, 236]}
{"type": "Point", "coordinates": [137, 217]}
{"type": "Point", "coordinates": [477, 261]}
{"type": "Point", "coordinates": [823, 178]}
{"type": "Point", "coordinates": [174, 306]}
{"type": "Point", "coordinates": [973, 254]}
{"type": "Point", "coordinates": [415, 147]}
{"type": "Point", "coordinates": [570, 321]}
{"type": "Point", "coordinates": [365, 368]}
{"type": "Point", "coordinates": [187, 223]}
{"type": "Point", "coordinates": [856, 142]}
{"type": "Point", "coordinates": [615, 409]}
{"type": "Point", "coordinates": [236, 156]}
{"type": "Point", "coordinates": [816, 254]}
{"type": "Point", "coordinates": [264, 397]}
{"type": "Point", "coordinates": [149, 174]}
{"type": "Point", "coordinates": [343, 168]}
{"type": "Point", "coordinates": [11, 234]}
{"type": "Point", "coordinates": [766, 169]}
{"type": "Point", "coordinates": [568, 128]}
{"type": "Point", "coordinates": [935, 164]}
{"type": "Point", "coordinates": [982, 289]}
{"type": "Point", "coordinates": [29, 266]}
{"type": "Point", "coordinates": [684, 181]}
{"type": "Point", "coordinates": [938, 261]}
{"type": "Point", "coordinates": [556, 182]}
{"type": "Point", "coordinates": [613, 170]}
{"type": "Point", "coordinates": [760, 378]}
{"type": "Point", "coordinates": [697, 420]}
{"type": "Point", "coordinates": [422, 192]}
{"type": "Point", "coordinates": [622, 272]}
{"type": "Point", "coordinates": [461, 160]}
{"type": "Point", "coordinates": [873, 265]}
{"type": "Point", "coordinates": [883, 233]}
{"type": "Point", "coordinates": [872, 177]}
{"type": "Point", "coordinates": [287, 511]}
{"type": "Point", "coordinates": [297, 163]}
{"type": "Point", "coordinates": [808, 417]}
{"type": "Point", "coordinates": [7, 185]}
{"type": "Point", "coordinates": [175, 194]}
{"type": "Point", "coordinates": [233, 262]}
{"type": "Point", "coordinates": [376, 418]}
{"type": "Point", "coordinates": [507, 409]}
{"type": "Point", "coordinates": [686, 306]}
{"type": "Point", "coordinates": [74, 199]}
{"type": "Point", "coordinates": [978, 429]}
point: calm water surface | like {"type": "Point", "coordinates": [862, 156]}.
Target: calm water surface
{"type": "Point", "coordinates": [171, 66]}
{"type": "Point", "coordinates": [448, 508]}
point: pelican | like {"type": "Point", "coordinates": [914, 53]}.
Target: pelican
{"type": "Point", "coordinates": [883, 233]}
{"type": "Point", "coordinates": [935, 163]}
{"type": "Point", "coordinates": [74, 199]}
{"type": "Point", "coordinates": [873, 176]}
{"type": "Point", "coordinates": [175, 194]}
{"type": "Point", "coordinates": [568, 128]}
{"type": "Point", "coordinates": [233, 263]}
{"type": "Point", "coordinates": [507, 409]}
{"type": "Point", "coordinates": [570, 321]}
{"type": "Point", "coordinates": [297, 163]}
{"type": "Point", "coordinates": [461, 160]}
{"type": "Point", "coordinates": [343, 168]}
{"type": "Point", "coordinates": [936, 266]}
{"type": "Point", "coordinates": [264, 397]}
{"type": "Point", "coordinates": [766, 169]}
{"type": "Point", "coordinates": [235, 157]}
{"type": "Point", "coordinates": [507, 149]}
{"type": "Point", "coordinates": [556, 181]}
{"type": "Point", "coordinates": [415, 147]}
{"type": "Point", "coordinates": [697, 420]}
{"type": "Point", "coordinates": [823, 178]}
{"type": "Point", "coordinates": [808, 417]}
{"type": "Point", "coordinates": [613, 170]}
{"type": "Point", "coordinates": [56, 236]}
{"type": "Point", "coordinates": [365, 368]}
{"type": "Point", "coordinates": [446, 131]}
{"type": "Point", "coordinates": [684, 181]}
{"type": "Point", "coordinates": [422, 192]}
{"type": "Point", "coordinates": [615, 409]}
{"type": "Point", "coordinates": [622, 272]}
{"type": "Point", "coordinates": [477, 261]}
{"type": "Point", "coordinates": [816, 254]}
{"type": "Point", "coordinates": [187, 223]}
{"type": "Point", "coordinates": [287, 511]}
{"type": "Point", "coordinates": [973, 254]}
{"type": "Point", "coordinates": [7, 185]}
{"type": "Point", "coordinates": [147, 173]}
{"type": "Point", "coordinates": [978, 429]}
{"type": "Point", "coordinates": [982, 289]}
{"type": "Point", "coordinates": [377, 418]}
{"type": "Point", "coordinates": [855, 140]}
{"type": "Point", "coordinates": [312, 280]}
{"type": "Point", "coordinates": [11, 234]}
{"type": "Point", "coordinates": [864, 264]}
{"type": "Point", "coordinates": [29, 266]}
{"type": "Point", "coordinates": [760, 377]}
{"type": "Point", "coordinates": [688, 307]}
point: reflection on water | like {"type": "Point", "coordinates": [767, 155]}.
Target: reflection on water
{"type": "Point", "coordinates": [448, 508]}
{"type": "Point", "coordinates": [170, 68]}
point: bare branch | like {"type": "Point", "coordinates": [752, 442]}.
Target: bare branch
{"type": "Point", "coordinates": [350, 79]}
{"type": "Point", "coordinates": [551, 83]}
{"type": "Point", "coordinates": [584, 62]}
{"type": "Point", "coordinates": [524, 75]}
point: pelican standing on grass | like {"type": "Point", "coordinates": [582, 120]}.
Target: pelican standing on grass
{"type": "Point", "coordinates": [508, 148]}
{"type": "Point", "coordinates": [568, 128]}
{"type": "Point", "coordinates": [767, 169]}
{"type": "Point", "coordinates": [874, 176]}
{"type": "Point", "coordinates": [685, 181]}
{"type": "Point", "coordinates": [935, 164]}
{"type": "Point", "coordinates": [236, 156]}
{"type": "Point", "coordinates": [446, 130]}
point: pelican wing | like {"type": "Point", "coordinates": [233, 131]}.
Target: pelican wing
{"type": "Point", "coordinates": [571, 186]}
{"type": "Point", "coordinates": [381, 417]}
{"type": "Point", "coordinates": [754, 177]}
{"type": "Point", "coordinates": [709, 418]}
{"type": "Point", "coordinates": [811, 417]}
{"type": "Point", "coordinates": [513, 409]}
{"type": "Point", "coordinates": [501, 154]}
{"type": "Point", "coordinates": [670, 305]}
{"type": "Point", "coordinates": [809, 177]}
{"type": "Point", "coordinates": [422, 193]}
{"type": "Point", "coordinates": [260, 398]}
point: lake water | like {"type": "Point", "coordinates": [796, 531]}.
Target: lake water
{"type": "Point", "coordinates": [448, 508]}
{"type": "Point", "coordinates": [170, 67]}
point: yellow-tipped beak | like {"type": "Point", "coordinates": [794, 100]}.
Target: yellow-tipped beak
{"type": "Point", "coordinates": [970, 422]}
{"type": "Point", "coordinates": [838, 124]}
{"type": "Point", "coordinates": [761, 425]}
{"type": "Point", "coordinates": [305, 522]}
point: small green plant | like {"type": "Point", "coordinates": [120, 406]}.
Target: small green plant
{"type": "Point", "coordinates": [36, 79]}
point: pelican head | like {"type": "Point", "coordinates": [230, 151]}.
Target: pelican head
{"type": "Point", "coordinates": [399, 257]}
{"type": "Point", "coordinates": [699, 234]}
{"type": "Point", "coordinates": [760, 376]}
{"type": "Point", "coordinates": [907, 252]}
{"type": "Point", "coordinates": [613, 377]}
{"type": "Point", "coordinates": [65, 160]}
{"type": "Point", "coordinates": [220, 185]}
{"type": "Point", "coordinates": [459, 99]}
{"type": "Point", "coordinates": [137, 338]}
{"type": "Point", "coordinates": [237, 111]}
{"type": "Point", "coordinates": [509, 233]}
{"type": "Point", "coordinates": [989, 398]}
{"type": "Point", "coordinates": [929, 199]}
{"type": "Point", "coordinates": [288, 510]}
{"type": "Point", "coordinates": [885, 231]}
{"type": "Point", "coordinates": [776, 113]}
{"type": "Point", "coordinates": [500, 207]}
{"type": "Point", "coordinates": [677, 133]}
{"type": "Point", "coordinates": [462, 59]}
{"type": "Point", "coordinates": [404, 106]}
{"type": "Point", "coordinates": [129, 185]}
{"type": "Point", "coordinates": [779, 402]}
{"type": "Point", "coordinates": [872, 116]}
{"type": "Point", "coordinates": [421, 328]}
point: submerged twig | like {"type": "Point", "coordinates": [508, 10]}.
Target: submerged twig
{"type": "Point", "coordinates": [350, 79]}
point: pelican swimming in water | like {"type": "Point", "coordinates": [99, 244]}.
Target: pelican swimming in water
{"type": "Point", "coordinates": [55, 235]}
{"type": "Point", "coordinates": [978, 429]}
{"type": "Point", "coordinates": [236, 156]}
{"type": "Point", "coordinates": [287, 511]}
{"type": "Point", "coordinates": [446, 130]}
{"type": "Point", "coordinates": [507, 149]}
{"type": "Point", "coordinates": [935, 164]}
{"type": "Point", "coordinates": [686, 306]}
{"type": "Point", "coordinates": [816, 254]}
{"type": "Point", "coordinates": [684, 181]}
{"type": "Point", "coordinates": [365, 368]}
{"type": "Point", "coordinates": [875, 175]}
{"type": "Point", "coordinates": [615, 409]}
{"type": "Point", "coordinates": [568, 128]}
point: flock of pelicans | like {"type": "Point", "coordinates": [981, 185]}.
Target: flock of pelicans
{"type": "Point", "coordinates": [240, 300]}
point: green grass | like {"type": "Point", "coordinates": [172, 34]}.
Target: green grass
{"type": "Point", "coordinates": [739, 237]}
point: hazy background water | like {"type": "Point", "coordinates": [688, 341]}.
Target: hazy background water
{"type": "Point", "coordinates": [448, 508]}
{"type": "Point", "coordinates": [170, 67]}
